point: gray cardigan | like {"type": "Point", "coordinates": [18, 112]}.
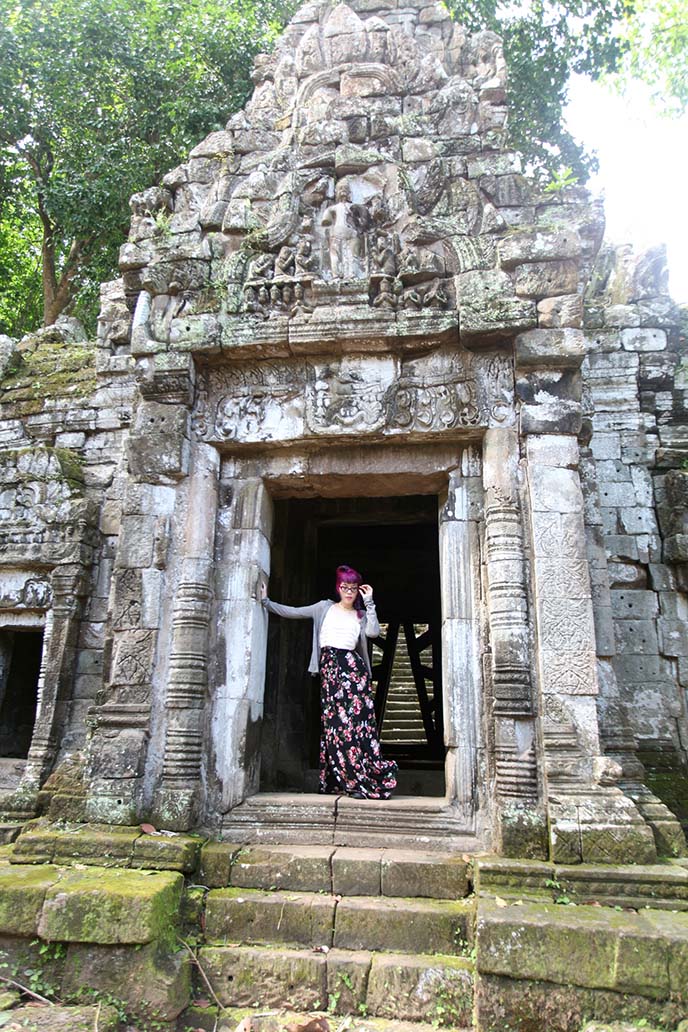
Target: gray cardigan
{"type": "Point", "coordinates": [370, 626]}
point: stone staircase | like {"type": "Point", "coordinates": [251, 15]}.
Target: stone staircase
{"type": "Point", "coordinates": [403, 723]}
{"type": "Point", "coordinates": [185, 933]}
{"type": "Point", "coordinates": [362, 932]}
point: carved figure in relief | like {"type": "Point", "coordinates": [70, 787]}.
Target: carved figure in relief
{"type": "Point", "coordinates": [284, 262]}
{"type": "Point", "coordinates": [489, 63]}
{"type": "Point", "coordinates": [383, 256]}
{"type": "Point", "coordinates": [413, 300]}
{"type": "Point", "coordinates": [246, 412]}
{"type": "Point", "coordinates": [408, 261]}
{"type": "Point", "coordinates": [300, 307]}
{"type": "Point", "coordinates": [303, 257]}
{"type": "Point", "coordinates": [261, 267]}
{"type": "Point", "coordinates": [251, 299]}
{"type": "Point", "coordinates": [345, 227]}
{"type": "Point", "coordinates": [435, 296]}
{"type": "Point", "coordinates": [350, 756]}
{"type": "Point", "coordinates": [346, 400]}
{"type": "Point", "coordinates": [385, 298]}
{"type": "Point", "coordinates": [36, 594]}
{"type": "Point", "coordinates": [263, 297]}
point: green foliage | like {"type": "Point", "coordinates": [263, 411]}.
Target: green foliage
{"type": "Point", "coordinates": [561, 181]}
{"type": "Point", "coordinates": [657, 41]}
{"type": "Point", "coordinates": [544, 42]}
{"type": "Point", "coordinates": [98, 99]}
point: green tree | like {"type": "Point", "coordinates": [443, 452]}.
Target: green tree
{"type": "Point", "coordinates": [98, 98]}
{"type": "Point", "coordinates": [657, 52]}
{"type": "Point", "coordinates": [544, 43]}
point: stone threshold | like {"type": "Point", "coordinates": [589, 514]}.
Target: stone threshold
{"type": "Point", "coordinates": [412, 822]}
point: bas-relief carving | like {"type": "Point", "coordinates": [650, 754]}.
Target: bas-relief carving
{"type": "Point", "coordinates": [272, 401]}
{"type": "Point", "coordinates": [35, 593]}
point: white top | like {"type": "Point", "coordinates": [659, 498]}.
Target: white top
{"type": "Point", "coordinates": [340, 629]}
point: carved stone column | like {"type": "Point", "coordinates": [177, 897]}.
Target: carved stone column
{"type": "Point", "coordinates": [55, 680]}
{"type": "Point", "coordinates": [176, 799]}
{"type": "Point", "coordinates": [459, 543]}
{"type": "Point", "coordinates": [243, 553]}
{"type": "Point", "coordinates": [590, 819]}
{"type": "Point", "coordinates": [521, 822]}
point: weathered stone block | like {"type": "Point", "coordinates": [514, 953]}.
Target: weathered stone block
{"type": "Point", "coordinates": [673, 637]}
{"type": "Point", "coordinates": [22, 893]}
{"type": "Point", "coordinates": [581, 946]}
{"type": "Point", "coordinates": [216, 864]}
{"type": "Point", "coordinates": [635, 605]}
{"type": "Point", "coordinates": [546, 279]}
{"type": "Point", "coordinates": [66, 1019]}
{"type": "Point", "coordinates": [251, 916]}
{"type": "Point", "coordinates": [643, 340]}
{"type": "Point", "coordinates": [299, 868]}
{"type": "Point", "coordinates": [556, 312]}
{"type": "Point", "coordinates": [347, 981]}
{"type": "Point", "coordinates": [153, 984]}
{"type": "Point", "coordinates": [111, 907]}
{"type": "Point", "coordinates": [437, 990]}
{"type": "Point", "coordinates": [496, 319]}
{"type": "Point", "coordinates": [550, 348]}
{"type": "Point", "coordinates": [159, 441]}
{"type": "Point", "coordinates": [425, 875]}
{"type": "Point", "coordinates": [163, 853]}
{"type": "Point", "coordinates": [537, 245]}
{"type": "Point", "coordinates": [356, 872]}
{"type": "Point", "coordinates": [524, 1004]}
{"type": "Point", "coordinates": [408, 926]}
{"type": "Point", "coordinates": [249, 977]}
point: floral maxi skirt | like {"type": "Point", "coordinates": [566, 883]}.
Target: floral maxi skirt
{"type": "Point", "coordinates": [350, 756]}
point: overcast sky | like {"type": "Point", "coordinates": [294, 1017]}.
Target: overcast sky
{"type": "Point", "coordinates": [643, 164]}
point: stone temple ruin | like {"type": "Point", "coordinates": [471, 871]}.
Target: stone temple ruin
{"type": "Point", "coordinates": [349, 328]}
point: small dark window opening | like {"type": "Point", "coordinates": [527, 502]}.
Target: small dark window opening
{"type": "Point", "coordinates": [20, 664]}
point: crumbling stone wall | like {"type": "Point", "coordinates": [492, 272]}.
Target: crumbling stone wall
{"type": "Point", "coordinates": [634, 452]}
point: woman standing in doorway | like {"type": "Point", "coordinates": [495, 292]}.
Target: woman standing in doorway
{"type": "Point", "coordinates": [351, 761]}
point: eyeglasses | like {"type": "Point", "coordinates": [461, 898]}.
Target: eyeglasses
{"type": "Point", "coordinates": [351, 589]}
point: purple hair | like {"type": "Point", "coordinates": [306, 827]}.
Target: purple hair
{"type": "Point", "coordinates": [347, 575]}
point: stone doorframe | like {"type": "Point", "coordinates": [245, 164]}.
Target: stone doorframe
{"type": "Point", "coordinates": [244, 534]}
{"type": "Point", "coordinates": [227, 550]}
{"type": "Point", "coordinates": [50, 601]}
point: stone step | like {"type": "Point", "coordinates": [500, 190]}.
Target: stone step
{"type": "Point", "coordinates": [343, 870]}
{"type": "Point", "coordinates": [405, 736]}
{"type": "Point", "coordinates": [659, 886]}
{"type": "Point", "coordinates": [372, 923]}
{"type": "Point", "coordinates": [540, 963]}
{"type": "Point", "coordinates": [402, 987]}
{"type": "Point", "coordinates": [277, 1020]}
{"type": "Point", "coordinates": [105, 845]}
{"type": "Point", "coordinates": [51, 1018]}
{"type": "Point", "coordinates": [93, 905]}
{"type": "Point", "coordinates": [421, 823]}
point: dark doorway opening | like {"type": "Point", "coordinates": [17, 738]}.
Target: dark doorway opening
{"type": "Point", "coordinates": [20, 664]}
{"type": "Point", "coordinates": [394, 543]}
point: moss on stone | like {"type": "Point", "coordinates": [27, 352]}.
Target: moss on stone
{"type": "Point", "coordinates": [151, 983]}
{"type": "Point", "coordinates": [112, 906]}
{"type": "Point", "coordinates": [216, 864]}
{"type": "Point", "coordinates": [22, 894]}
{"type": "Point", "coordinates": [52, 369]}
